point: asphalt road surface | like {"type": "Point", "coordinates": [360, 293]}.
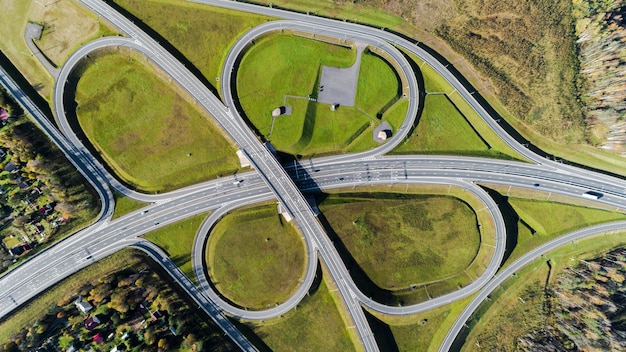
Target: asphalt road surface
{"type": "Point", "coordinates": [273, 181]}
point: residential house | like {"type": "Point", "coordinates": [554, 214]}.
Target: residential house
{"type": "Point", "coordinates": [83, 306]}
{"type": "Point", "coordinates": [98, 338]}
{"type": "Point", "coordinates": [11, 167]}
{"type": "Point", "coordinates": [92, 323]}
{"type": "Point", "coordinates": [45, 210]}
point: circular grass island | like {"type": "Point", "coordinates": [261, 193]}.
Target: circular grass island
{"type": "Point", "coordinates": [255, 258]}
{"type": "Point", "coordinates": [143, 129]}
{"type": "Point", "coordinates": [401, 241]}
{"type": "Point", "coordinates": [286, 70]}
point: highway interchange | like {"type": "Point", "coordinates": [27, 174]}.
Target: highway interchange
{"type": "Point", "coordinates": [273, 181]}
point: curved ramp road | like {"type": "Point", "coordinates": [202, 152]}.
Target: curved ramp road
{"type": "Point", "coordinates": [64, 125]}
{"type": "Point", "coordinates": [259, 156]}
{"type": "Point", "coordinates": [413, 47]}
{"type": "Point", "coordinates": [489, 205]}
{"type": "Point", "coordinates": [197, 258]}
{"type": "Point", "coordinates": [399, 168]}
{"type": "Point", "coordinates": [411, 91]}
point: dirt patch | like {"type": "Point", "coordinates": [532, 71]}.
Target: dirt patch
{"type": "Point", "coordinates": [125, 142]}
{"type": "Point", "coordinates": [66, 25]}
{"type": "Point", "coordinates": [425, 14]}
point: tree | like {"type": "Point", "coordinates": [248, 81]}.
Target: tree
{"type": "Point", "coordinates": [190, 341]}
{"type": "Point", "coordinates": [163, 345]}
{"type": "Point", "coordinates": [99, 292]}
{"type": "Point", "coordinates": [149, 336]}
{"type": "Point", "coordinates": [10, 346]}
{"type": "Point", "coordinates": [118, 302]}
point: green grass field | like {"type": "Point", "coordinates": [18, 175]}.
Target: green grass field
{"type": "Point", "coordinates": [549, 220]}
{"type": "Point", "coordinates": [395, 115]}
{"type": "Point", "coordinates": [506, 317]}
{"type": "Point", "coordinates": [177, 241]}
{"type": "Point", "coordinates": [377, 79]}
{"type": "Point", "coordinates": [400, 240]}
{"type": "Point", "coordinates": [125, 205]}
{"type": "Point", "coordinates": [255, 258]}
{"type": "Point", "coordinates": [203, 34]}
{"type": "Point", "coordinates": [413, 333]}
{"type": "Point", "coordinates": [442, 129]}
{"type": "Point", "coordinates": [148, 134]}
{"type": "Point", "coordinates": [312, 128]}
{"type": "Point", "coordinates": [315, 325]}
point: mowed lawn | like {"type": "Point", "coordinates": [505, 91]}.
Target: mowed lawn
{"type": "Point", "coordinates": [125, 205]}
{"type": "Point", "coordinates": [203, 34]}
{"type": "Point", "coordinates": [442, 129]}
{"type": "Point", "coordinates": [255, 258]}
{"type": "Point", "coordinates": [177, 241]}
{"type": "Point", "coordinates": [448, 125]}
{"type": "Point", "coordinates": [315, 325]}
{"type": "Point", "coordinates": [148, 134]}
{"type": "Point", "coordinates": [296, 65]}
{"type": "Point", "coordinates": [400, 239]}
{"type": "Point", "coordinates": [394, 115]}
{"type": "Point", "coordinates": [378, 85]}
{"type": "Point", "coordinates": [424, 331]}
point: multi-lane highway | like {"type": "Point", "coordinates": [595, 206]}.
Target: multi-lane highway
{"type": "Point", "coordinates": [272, 181]}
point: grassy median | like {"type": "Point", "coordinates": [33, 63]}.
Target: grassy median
{"type": "Point", "coordinates": [541, 221]}
{"type": "Point", "coordinates": [442, 129]}
{"type": "Point", "coordinates": [423, 331]}
{"type": "Point", "coordinates": [255, 258]}
{"type": "Point", "coordinates": [125, 205]}
{"type": "Point", "coordinates": [145, 130]}
{"type": "Point", "coordinates": [448, 125]}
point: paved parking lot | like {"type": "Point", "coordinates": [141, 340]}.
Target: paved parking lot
{"type": "Point", "coordinates": [338, 85]}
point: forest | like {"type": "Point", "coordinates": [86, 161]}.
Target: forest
{"type": "Point", "coordinates": [42, 196]}
{"type": "Point", "coordinates": [601, 31]}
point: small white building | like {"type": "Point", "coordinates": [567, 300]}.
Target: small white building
{"type": "Point", "coordinates": [84, 306]}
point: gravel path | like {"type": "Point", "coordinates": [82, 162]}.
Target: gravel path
{"type": "Point", "coordinates": [33, 31]}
